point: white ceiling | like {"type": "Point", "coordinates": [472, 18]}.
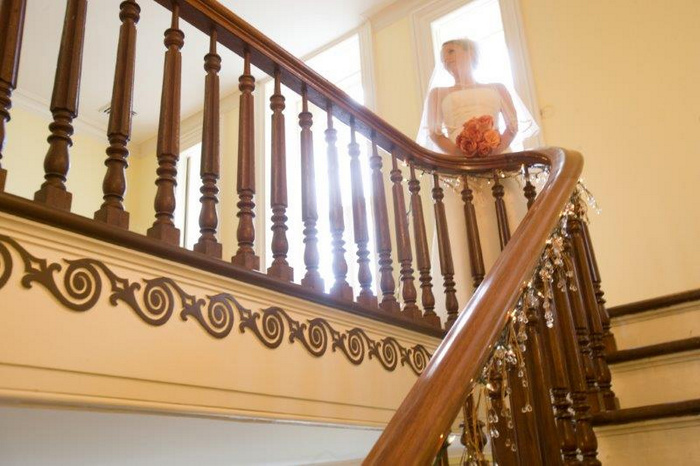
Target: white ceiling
{"type": "Point", "coordinates": [307, 26]}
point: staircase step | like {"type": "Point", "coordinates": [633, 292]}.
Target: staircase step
{"type": "Point", "coordinates": [650, 435]}
{"type": "Point", "coordinates": [667, 372]}
{"type": "Point", "coordinates": [654, 303]}
{"type": "Point", "coordinates": [647, 413]}
{"type": "Point", "coordinates": [676, 322]}
{"type": "Point", "coordinates": [650, 351]}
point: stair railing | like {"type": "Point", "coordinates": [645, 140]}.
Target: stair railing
{"type": "Point", "coordinates": [567, 333]}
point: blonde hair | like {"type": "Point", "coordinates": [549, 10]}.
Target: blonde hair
{"type": "Point", "coordinates": [469, 45]}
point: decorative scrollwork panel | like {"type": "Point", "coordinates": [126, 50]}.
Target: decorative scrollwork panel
{"type": "Point", "coordinates": [78, 286]}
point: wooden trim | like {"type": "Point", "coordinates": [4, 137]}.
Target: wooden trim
{"type": "Point", "coordinates": [24, 208]}
{"type": "Point", "coordinates": [647, 413]}
{"type": "Point", "coordinates": [654, 303]}
{"type": "Point", "coordinates": [652, 351]}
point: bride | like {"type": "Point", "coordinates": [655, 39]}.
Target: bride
{"type": "Point", "coordinates": [445, 113]}
{"type": "Point", "coordinates": [447, 109]}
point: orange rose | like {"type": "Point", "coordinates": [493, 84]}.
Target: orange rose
{"type": "Point", "coordinates": [472, 124]}
{"type": "Point", "coordinates": [485, 122]}
{"type": "Point", "coordinates": [470, 148]}
{"type": "Point", "coordinates": [484, 149]}
{"type": "Point", "coordinates": [492, 138]}
{"type": "Point", "coordinates": [472, 133]}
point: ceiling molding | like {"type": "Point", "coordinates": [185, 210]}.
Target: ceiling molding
{"type": "Point", "coordinates": [40, 106]}
{"type": "Point", "coordinates": [388, 13]}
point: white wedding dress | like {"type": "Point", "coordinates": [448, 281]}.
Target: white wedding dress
{"type": "Point", "coordinates": [455, 107]}
{"type": "Point", "coordinates": [459, 106]}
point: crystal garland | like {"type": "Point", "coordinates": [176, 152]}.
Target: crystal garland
{"type": "Point", "coordinates": [552, 270]}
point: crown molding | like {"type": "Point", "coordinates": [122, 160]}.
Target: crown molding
{"type": "Point", "coordinates": [39, 106]}
{"type": "Point", "coordinates": [389, 12]}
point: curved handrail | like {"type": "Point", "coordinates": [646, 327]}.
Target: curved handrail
{"type": "Point", "coordinates": [266, 55]}
{"type": "Point", "coordinates": [413, 436]}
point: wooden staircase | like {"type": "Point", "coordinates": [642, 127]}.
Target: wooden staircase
{"type": "Point", "coordinates": [655, 371]}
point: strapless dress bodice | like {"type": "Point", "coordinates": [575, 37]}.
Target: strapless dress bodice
{"type": "Point", "coordinates": [461, 105]}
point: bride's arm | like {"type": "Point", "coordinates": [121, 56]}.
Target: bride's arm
{"type": "Point", "coordinates": [510, 117]}
{"type": "Point", "coordinates": [434, 125]}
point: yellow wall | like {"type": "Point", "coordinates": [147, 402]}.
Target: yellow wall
{"type": "Point", "coordinates": [617, 81]}
{"type": "Point", "coordinates": [24, 154]}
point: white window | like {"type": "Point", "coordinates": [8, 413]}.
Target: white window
{"type": "Point", "coordinates": [496, 26]}
{"type": "Point", "coordinates": [341, 64]}
{"type": "Point", "coordinates": [187, 196]}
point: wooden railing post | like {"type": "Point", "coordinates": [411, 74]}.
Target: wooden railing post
{"type": "Point", "coordinates": [168, 144]}
{"type": "Point", "coordinates": [476, 257]}
{"type": "Point", "coordinates": [341, 288]}
{"type": "Point", "coordinates": [11, 32]}
{"type": "Point", "coordinates": [503, 446]}
{"type": "Point", "coordinates": [119, 128]}
{"type": "Point", "coordinates": [403, 243]}
{"type": "Point", "coordinates": [539, 384]}
{"type": "Point", "coordinates": [501, 215]}
{"type": "Point", "coordinates": [359, 220]}
{"type": "Point", "coordinates": [280, 268]}
{"type": "Point", "coordinates": [245, 233]}
{"type": "Point", "coordinates": [422, 252]}
{"type": "Point", "coordinates": [581, 327]}
{"type": "Point", "coordinates": [608, 338]}
{"type": "Point", "coordinates": [445, 251]}
{"type": "Point", "coordinates": [382, 236]}
{"type": "Point", "coordinates": [209, 165]}
{"type": "Point", "coordinates": [560, 372]}
{"type": "Point", "coordinates": [575, 358]}
{"type": "Point", "coordinates": [309, 212]}
{"type": "Point", "coordinates": [592, 311]}
{"type": "Point", "coordinates": [64, 108]}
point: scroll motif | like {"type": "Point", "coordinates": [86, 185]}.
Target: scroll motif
{"type": "Point", "coordinates": [79, 284]}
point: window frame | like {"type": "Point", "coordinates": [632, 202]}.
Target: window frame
{"type": "Point", "coordinates": [421, 20]}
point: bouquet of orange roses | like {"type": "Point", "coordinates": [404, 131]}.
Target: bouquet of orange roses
{"type": "Point", "coordinates": [478, 137]}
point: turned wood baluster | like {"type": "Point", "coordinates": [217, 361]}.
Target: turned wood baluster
{"type": "Point", "coordinates": [382, 236]}
{"type": "Point", "coordinates": [529, 437]}
{"type": "Point", "coordinates": [504, 453]}
{"type": "Point", "coordinates": [445, 253]}
{"type": "Point", "coordinates": [501, 215]}
{"type": "Point", "coordinates": [422, 252]}
{"type": "Point", "coordinates": [403, 243]}
{"type": "Point", "coordinates": [64, 108]}
{"type": "Point", "coordinates": [570, 345]}
{"type": "Point", "coordinates": [340, 288]}
{"type": "Point", "coordinates": [608, 337]}
{"type": "Point", "coordinates": [592, 310]}
{"type": "Point", "coordinates": [278, 191]}
{"type": "Point", "coordinates": [209, 165]}
{"type": "Point", "coordinates": [531, 433]}
{"type": "Point", "coordinates": [359, 220]}
{"type": "Point", "coordinates": [245, 256]}
{"type": "Point", "coordinates": [538, 371]}
{"type": "Point", "coordinates": [119, 128]}
{"type": "Point", "coordinates": [529, 190]}
{"type": "Point", "coordinates": [582, 330]}
{"type": "Point", "coordinates": [476, 257]}
{"type": "Point", "coordinates": [168, 143]}
{"type": "Point", "coordinates": [309, 212]}
{"type": "Point", "coordinates": [561, 371]}
{"type": "Point", "coordinates": [11, 31]}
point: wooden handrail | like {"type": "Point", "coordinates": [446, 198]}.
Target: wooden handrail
{"type": "Point", "coordinates": [236, 34]}
{"type": "Point", "coordinates": [414, 434]}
